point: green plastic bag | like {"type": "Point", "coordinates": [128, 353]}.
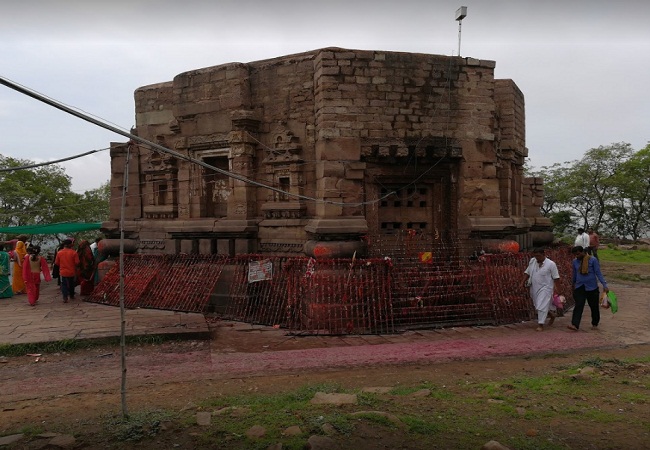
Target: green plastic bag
{"type": "Point", "coordinates": [613, 301]}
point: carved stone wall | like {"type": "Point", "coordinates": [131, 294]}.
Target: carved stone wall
{"type": "Point", "coordinates": [345, 139]}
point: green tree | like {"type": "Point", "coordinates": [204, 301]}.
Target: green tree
{"type": "Point", "coordinates": [557, 196]}
{"type": "Point", "coordinates": [93, 205]}
{"type": "Point", "coordinates": [557, 179]}
{"type": "Point", "coordinates": [31, 196]}
{"type": "Point", "coordinates": [608, 188]}
{"type": "Point", "coordinates": [43, 195]}
{"type": "Point", "coordinates": [562, 221]}
{"type": "Point", "coordinates": [629, 213]}
{"type": "Point", "coordinates": [591, 186]}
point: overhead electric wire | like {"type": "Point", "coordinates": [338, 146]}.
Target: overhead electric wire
{"type": "Point", "coordinates": [49, 163]}
{"type": "Point", "coordinates": [60, 106]}
{"type": "Point", "coordinates": [102, 123]}
{"type": "Point", "coordinates": [138, 194]}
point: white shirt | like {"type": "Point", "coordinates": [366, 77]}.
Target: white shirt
{"type": "Point", "coordinates": [541, 282]}
{"type": "Point", "coordinates": [582, 240]}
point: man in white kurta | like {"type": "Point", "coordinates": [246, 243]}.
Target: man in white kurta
{"type": "Point", "coordinates": [540, 276]}
{"type": "Point", "coordinates": [582, 239]}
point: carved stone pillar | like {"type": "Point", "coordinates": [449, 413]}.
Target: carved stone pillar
{"type": "Point", "coordinates": [241, 222]}
{"type": "Point", "coordinates": [241, 204]}
{"type": "Point", "coordinates": [337, 228]}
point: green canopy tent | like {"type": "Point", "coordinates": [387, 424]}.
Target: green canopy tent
{"type": "Point", "coordinates": [52, 228]}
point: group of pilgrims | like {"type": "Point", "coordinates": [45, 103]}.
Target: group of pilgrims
{"type": "Point", "coordinates": [22, 268]}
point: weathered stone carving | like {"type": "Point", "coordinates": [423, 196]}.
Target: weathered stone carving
{"type": "Point", "coordinates": [157, 162]}
{"type": "Point", "coordinates": [152, 244]}
{"type": "Point", "coordinates": [330, 130]}
{"type": "Point", "coordinates": [215, 140]}
{"type": "Point", "coordinates": [274, 247]}
{"type": "Point", "coordinates": [284, 148]}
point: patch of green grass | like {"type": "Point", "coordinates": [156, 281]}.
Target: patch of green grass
{"type": "Point", "coordinates": [548, 384]}
{"type": "Point", "coordinates": [339, 420]}
{"type": "Point", "coordinates": [634, 397]}
{"type": "Point", "coordinates": [440, 393]}
{"type": "Point", "coordinates": [535, 443]}
{"type": "Point", "coordinates": [276, 412]}
{"type": "Point", "coordinates": [422, 426]}
{"type": "Point", "coordinates": [368, 400]}
{"type": "Point", "coordinates": [492, 390]}
{"type": "Point", "coordinates": [639, 256]}
{"type": "Point", "coordinates": [137, 426]}
{"type": "Point", "coordinates": [600, 416]}
{"type": "Point", "coordinates": [634, 277]}
{"type": "Point", "coordinates": [376, 418]}
{"type": "Point", "coordinates": [645, 359]}
{"type": "Point", "coordinates": [71, 345]}
{"type": "Point", "coordinates": [599, 363]}
{"type": "Point", "coordinates": [283, 400]}
{"type": "Point", "coordinates": [523, 387]}
{"type": "Point", "coordinates": [408, 390]}
{"type": "Point", "coordinates": [31, 430]}
{"type": "Point", "coordinates": [66, 345]}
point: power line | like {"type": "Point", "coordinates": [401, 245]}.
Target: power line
{"type": "Point", "coordinates": [65, 108]}
{"type": "Point", "coordinates": [177, 189]}
{"type": "Point", "coordinates": [49, 163]}
{"type": "Point", "coordinates": [66, 105]}
{"type": "Point", "coordinates": [58, 105]}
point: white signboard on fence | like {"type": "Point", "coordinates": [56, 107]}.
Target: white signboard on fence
{"type": "Point", "coordinates": [260, 270]}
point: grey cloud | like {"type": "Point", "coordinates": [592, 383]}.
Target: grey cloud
{"type": "Point", "coordinates": [580, 64]}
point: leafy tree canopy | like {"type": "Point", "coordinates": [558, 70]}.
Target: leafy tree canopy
{"type": "Point", "coordinates": [607, 189]}
{"type": "Point", "coordinates": [43, 195]}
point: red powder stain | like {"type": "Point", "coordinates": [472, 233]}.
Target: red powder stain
{"type": "Point", "coordinates": [322, 251]}
{"type": "Point", "coordinates": [510, 246]}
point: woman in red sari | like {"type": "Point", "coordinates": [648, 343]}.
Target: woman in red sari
{"type": "Point", "coordinates": [33, 265]}
{"type": "Point", "coordinates": [86, 273]}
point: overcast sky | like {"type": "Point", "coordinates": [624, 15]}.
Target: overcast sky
{"type": "Point", "coordinates": [583, 66]}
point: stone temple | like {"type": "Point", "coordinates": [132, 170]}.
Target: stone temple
{"type": "Point", "coordinates": [342, 145]}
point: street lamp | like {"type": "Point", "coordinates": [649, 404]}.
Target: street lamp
{"type": "Point", "coordinates": [461, 13]}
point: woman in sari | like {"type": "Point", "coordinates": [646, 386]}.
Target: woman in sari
{"type": "Point", "coordinates": [33, 265]}
{"type": "Point", "coordinates": [5, 285]}
{"type": "Point", "coordinates": [86, 274]}
{"type": "Point", "coordinates": [20, 251]}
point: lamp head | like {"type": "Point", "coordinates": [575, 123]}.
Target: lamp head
{"type": "Point", "coordinates": [461, 13]}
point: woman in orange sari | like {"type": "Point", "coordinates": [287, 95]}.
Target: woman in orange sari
{"type": "Point", "coordinates": [17, 283]}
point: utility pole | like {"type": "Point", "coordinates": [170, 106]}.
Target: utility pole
{"type": "Point", "coordinates": [461, 13]}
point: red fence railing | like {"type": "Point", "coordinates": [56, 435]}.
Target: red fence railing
{"type": "Point", "coordinates": [335, 296]}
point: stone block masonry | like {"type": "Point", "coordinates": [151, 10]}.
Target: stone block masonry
{"type": "Point", "coordinates": [383, 143]}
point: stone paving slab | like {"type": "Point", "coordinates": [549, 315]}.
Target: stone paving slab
{"type": "Point", "coordinates": [52, 320]}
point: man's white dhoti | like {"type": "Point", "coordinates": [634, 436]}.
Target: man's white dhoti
{"type": "Point", "coordinates": [541, 280]}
